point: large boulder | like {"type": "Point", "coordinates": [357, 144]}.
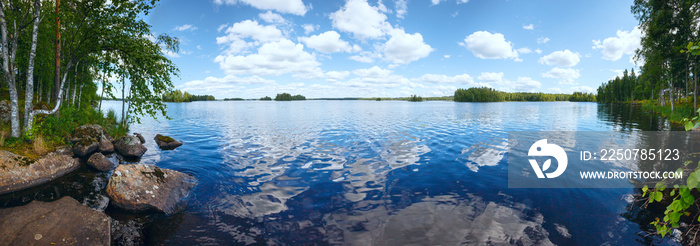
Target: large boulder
{"type": "Point", "coordinates": [4, 111]}
{"type": "Point", "coordinates": [106, 146]}
{"type": "Point", "coordinates": [130, 146]}
{"type": "Point", "coordinates": [100, 162]}
{"type": "Point", "coordinates": [19, 172]}
{"type": "Point", "coordinates": [138, 187]}
{"type": "Point", "coordinates": [86, 139]}
{"type": "Point", "coordinates": [61, 222]}
{"type": "Point", "coordinates": [166, 143]}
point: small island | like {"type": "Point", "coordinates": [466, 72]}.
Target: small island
{"type": "Point", "coordinates": [288, 97]}
{"type": "Point", "coordinates": [179, 96]}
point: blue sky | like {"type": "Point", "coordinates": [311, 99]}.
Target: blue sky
{"type": "Point", "coordinates": [393, 48]}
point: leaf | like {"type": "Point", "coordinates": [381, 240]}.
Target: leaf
{"type": "Point", "coordinates": [673, 192]}
{"type": "Point", "coordinates": [658, 196]}
{"type": "Point", "coordinates": [692, 180]}
{"type": "Point", "coordinates": [645, 189]}
{"type": "Point", "coordinates": [688, 125]}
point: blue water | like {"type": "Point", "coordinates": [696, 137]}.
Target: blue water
{"type": "Point", "coordinates": [372, 173]}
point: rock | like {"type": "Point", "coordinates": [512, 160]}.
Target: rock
{"type": "Point", "coordinates": [85, 147]}
{"type": "Point", "coordinates": [166, 143]}
{"type": "Point", "coordinates": [62, 222]}
{"type": "Point", "coordinates": [87, 139]}
{"type": "Point", "coordinates": [106, 146]}
{"type": "Point", "coordinates": [130, 146]}
{"type": "Point", "coordinates": [4, 111]}
{"type": "Point", "coordinates": [19, 172]}
{"type": "Point", "coordinates": [138, 135]}
{"type": "Point", "coordinates": [138, 187]}
{"type": "Point", "coordinates": [64, 150]}
{"type": "Point", "coordinates": [93, 132]}
{"type": "Point", "coordinates": [100, 162]}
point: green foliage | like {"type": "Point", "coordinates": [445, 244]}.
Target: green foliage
{"type": "Point", "coordinates": [621, 89]}
{"type": "Point", "coordinates": [415, 98]}
{"type": "Point", "coordinates": [289, 97]}
{"type": "Point", "coordinates": [582, 97]}
{"type": "Point", "coordinates": [234, 99]}
{"type": "Point", "coordinates": [56, 127]}
{"type": "Point", "coordinates": [179, 96]}
{"type": "Point", "coordinates": [265, 98]}
{"type": "Point", "coordinates": [485, 94]}
{"type": "Point", "coordinates": [480, 94]}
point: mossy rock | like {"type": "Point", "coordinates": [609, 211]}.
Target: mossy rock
{"type": "Point", "coordinates": [165, 138]}
{"type": "Point", "coordinates": [93, 132]}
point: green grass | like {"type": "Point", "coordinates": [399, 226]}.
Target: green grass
{"type": "Point", "coordinates": [681, 110]}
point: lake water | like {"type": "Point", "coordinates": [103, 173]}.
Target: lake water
{"type": "Point", "coordinates": [366, 172]}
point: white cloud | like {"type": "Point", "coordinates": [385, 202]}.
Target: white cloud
{"type": "Point", "coordinates": [529, 27]}
{"type": "Point", "coordinates": [186, 27]}
{"type": "Point", "coordinates": [273, 58]}
{"type": "Point", "coordinates": [229, 83]}
{"type": "Point", "coordinates": [170, 53]}
{"type": "Point", "coordinates": [524, 50]}
{"type": "Point", "coordinates": [538, 51]}
{"type": "Point", "coordinates": [403, 48]}
{"type": "Point", "coordinates": [336, 75]}
{"type": "Point", "coordinates": [283, 6]}
{"type": "Point", "coordinates": [248, 29]}
{"type": "Point", "coordinates": [625, 43]}
{"type": "Point", "coordinates": [221, 27]}
{"type": "Point", "coordinates": [525, 84]}
{"type": "Point", "coordinates": [490, 77]}
{"type": "Point", "coordinates": [564, 58]}
{"type": "Point", "coordinates": [199, 47]}
{"type": "Point", "coordinates": [373, 72]}
{"type": "Point", "coordinates": [444, 79]}
{"type": "Point", "coordinates": [446, 56]}
{"type": "Point", "coordinates": [435, 2]}
{"type": "Point", "coordinates": [542, 40]}
{"type": "Point", "coordinates": [270, 17]}
{"type": "Point", "coordinates": [327, 42]}
{"type": "Point", "coordinates": [309, 28]}
{"type": "Point", "coordinates": [486, 45]}
{"type": "Point", "coordinates": [462, 1]}
{"type": "Point", "coordinates": [583, 89]}
{"type": "Point", "coordinates": [366, 56]}
{"type": "Point", "coordinates": [361, 19]}
{"type": "Point", "coordinates": [565, 75]}
{"type": "Point", "coordinates": [401, 8]}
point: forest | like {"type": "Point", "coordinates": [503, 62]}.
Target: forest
{"type": "Point", "coordinates": [288, 97]}
{"type": "Point", "coordinates": [57, 55]}
{"type": "Point", "coordinates": [668, 71]}
{"type": "Point", "coordinates": [179, 96]}
{"type": "Point", "coordinates": [486, 94]}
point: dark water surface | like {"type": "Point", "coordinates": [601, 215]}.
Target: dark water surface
{"type": "Point", "coordinates": [365, 172]}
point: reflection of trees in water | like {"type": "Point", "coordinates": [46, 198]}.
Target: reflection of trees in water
{"type": "Point", "coordinates": [627, 117]}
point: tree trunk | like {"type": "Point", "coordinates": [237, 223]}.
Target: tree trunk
{"type": "Point", "coordinates": [57, 70]}
{"type": "Point", "coordinates": [9, 51]}
{"type": "Point", "coordinates": [29, 95]}
{"type": "Point", "coordinates": [123, 100]}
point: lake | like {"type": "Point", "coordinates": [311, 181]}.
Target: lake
{"type": "Point", "coordinates": [366, 172]}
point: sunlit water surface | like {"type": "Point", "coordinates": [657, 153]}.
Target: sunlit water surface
{"type": "Point", "coordinates": [366, 172]}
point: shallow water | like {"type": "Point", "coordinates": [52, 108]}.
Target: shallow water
{"type": "Point", "coordinates": [365, 172]}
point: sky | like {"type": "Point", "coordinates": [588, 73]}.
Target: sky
{"type": "Point", "coordinates": [395, 48]}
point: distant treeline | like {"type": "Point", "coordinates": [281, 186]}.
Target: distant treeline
{"type": "Point", "coordinates": [621, 89]}
{"type": "Point", "coordinates": [485, 94]}
{"type": "Point", "coordinates": [289, 97]}
{"type": "Point", "coordinates": [179, 96]}
{"type": "Point", "coordinates": [234, 99]}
